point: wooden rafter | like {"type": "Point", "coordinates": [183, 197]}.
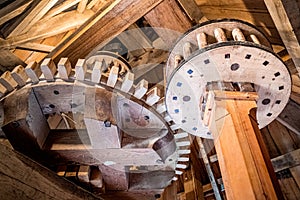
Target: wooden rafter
{"type": "Point", "coordinates": [49, 27]}
{"type": "Point", "coordinates": [106, 24]}
{"type": "Point", "coordinates": [171, 25]}
{"type": "Point", "coordinates": [13, 10]}
{"type": "Point", "coordinates": [286, 16]}
{"type": "Point", "coordinates": [35, 15]}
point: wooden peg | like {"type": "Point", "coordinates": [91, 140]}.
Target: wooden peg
{"type": "Point", "coordinates": [127, 82]}
{"type": "Point", "coordinates": [141, 89]}
{"type": "Point", "coordinates": [48, 69]}
{"type": "Point", "coordinates": [97, 72]}
{"type": "Point", "coordinates": [187, 50]}
{"type": "Point", "coordinates": [181, 135]}
{"type": "Point", "coordinates": [181, 166]}
{"type": "Point", "coordinates": [33, 71]}
{"type": "Point", "coordinates": [64, 68]}
{"type": "Point", "coordinates": [80, 69]}
{"type": "Point", "coordinates": [19, 75]}
{"type": "Point", "coordinates": [183, 159]}
{"type": "Point", "coordinates": [201, 40]}
{"type": "Point", "coordinates": [83, 173]}
{"type": "Point", "coordinates": [113, 76]}
{"type": "Point", "coordinates": [153, 96]}
{"type": "Point", "coordinates": [238, 35]}
{"type": "Point", "coordinates": [220, 35]}
{"type": "Point", "coordinates": [182, 144]}
{"type": "Point", "coordinates": [7, 81]}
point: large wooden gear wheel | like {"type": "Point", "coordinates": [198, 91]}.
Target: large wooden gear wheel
{"type": "Point", "coordinates": [121, 127]}
{"type": "Point", "coordinates": [223, 51]}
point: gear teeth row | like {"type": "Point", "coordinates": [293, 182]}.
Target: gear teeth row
{"type": "Point", "coordinates": [47, 71]}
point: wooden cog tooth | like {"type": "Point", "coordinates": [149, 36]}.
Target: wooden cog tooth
{"type": "Point", "coordinates": [80, 69]}
{"type": "Point", "coordinates": [220, 35]}
{"type": "Point", "coordinates": [7, 81]}
{"type": "Point", "coordinates": [19, 75]}
{"type": "Point", "coordinates": [177, 60]}
{"type": "Point", "coordinates": [187, 50]}
{"type": "Point", "coordinates": [183, 159]}
{"type": "Point", "coordinates": [48, 69]}
{"type": "Point", "coordinates": [127, 82]}
{"type": "Point", "coordinates": [167, 118]}
{"type": "Point", "coordinates": [97, 72]}
{"type": "Point", "coordinates": [153, 96]}
{"type": "Point", "coordinates": [113, 76]}
{"type": "Point", "coordinates": [254, 39]}
{"type": "Point", "coordinates": [33, 71]}
{"type": "Point", "coordinates": [141, 89]}
{"type": "Point", "coordinates": [181, 166]}
{"type": "Point", "coordinates": [64, 68]}
{"type": "Point", "coordinates": [181, 135]}
{"type": "Point", "coordinates": [184, 151]}
{"type": "Point", "coordinates": [178, 172]}
{"type": "Point", "coordinates": [238, 35]}
{"type": "Point", "coordinates": [161, 107]}
{"type": "Point", "coordinates": [175, 127]}
{"type": "Point", "coordinates": [182, 144]}
{"type": "Point", "coordinates": [201, 40]}
{"type": "Point", "coordinates": [3, 90]}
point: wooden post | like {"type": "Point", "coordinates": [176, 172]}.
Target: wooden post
{"type": "Point", "coordinates": [244, 170]}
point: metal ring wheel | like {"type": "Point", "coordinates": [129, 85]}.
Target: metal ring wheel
{"type": "Point", "coordinates": [223, 51]}
{"type": "Point", "coordinates": [111, 104]}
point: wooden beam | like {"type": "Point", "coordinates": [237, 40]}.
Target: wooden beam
{"type": "Point", "coordinates": [286, 17]}
{"type": "Point", "coordinates": [20, 178]}
{"type": "Point", "coordinates": [290, 118]}
{"type": "Point", "coordinates": [286, 161]}
{"type": "Point", "coordinates": [35, 15]}
{"type": "Point", "coordinates": [31, 46]}
{"type": "Point", "coordinates": [192, 10]}
{"type": "Point", "coordinates": [106, 24]}
{"type": "Point", "coordinates": [169, 21]}
{"type": "Point", "coordinates": [49, 27]}
{"type": "Point", "coordinates": [61, 7]}
{"type": "Point", "coordinates": [244, 171]}
{"type": "Point", "coordinates": [13, 10]}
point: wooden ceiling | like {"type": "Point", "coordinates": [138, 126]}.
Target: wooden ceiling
{"type": "Point", "coordinates": [32, 30]}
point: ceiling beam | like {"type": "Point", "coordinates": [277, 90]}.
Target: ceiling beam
{"type": "Point", "coordinates": [169, 21]}
{"type": "Point", "coordinates": [21, 177]}
{"type": "Point", "coordinates": [13, 10]}
{"type": "Point", "coordinates": [286, 17]}
{"type": "Point", "coordinates": [106, 24]}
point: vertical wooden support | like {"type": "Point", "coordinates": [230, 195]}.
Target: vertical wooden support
{"type": "Point", "coordinates": [24, 123]}
{"type": "Point", "coordinates": [244, 170]}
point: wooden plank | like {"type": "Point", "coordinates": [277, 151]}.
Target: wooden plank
{"type": "Point", "coordinates": [192, 10]}
{"type": "Point", "coordinates": [241, 144]}
{"type": "Point", "coordinates": [32, 46]}
{"type": "Point", "coordinates": [12, 10]}
{"type": "Point", "coordinates": [49, 27]}
{"type": "Point", "coordinates": [25, 178]}
{"type": "Point", "coordinates": [31, 18]}
{"type": "Point", "coordinates": [287, 21]}
{"type": "Point", "coordinates": [286, 161]}
{"type": "Point", "coordinates": [290, 118]}
{"type": "Point", "coordinates": [82, 6]}
{"type": "Point", "coordinates": [175, 20]}
{"type": "Point", "coordinates": [120, 14]}
{"type": "Point", "coordinates": [59, 8]}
